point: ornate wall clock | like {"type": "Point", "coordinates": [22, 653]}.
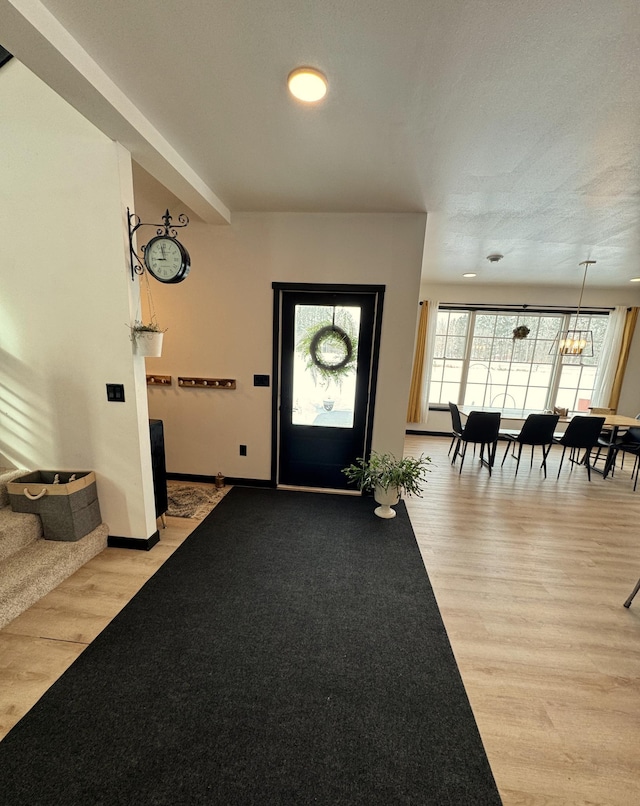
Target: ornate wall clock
{"type": "Point", "coordinates": [165, 258]}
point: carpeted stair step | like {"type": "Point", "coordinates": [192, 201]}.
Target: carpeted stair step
{"type": "Point", "coordinates": [8, 474]}
{"type": "Point", "coordinates": [29, 574]}
{"type": "Point", "coordinates": [17, 530]}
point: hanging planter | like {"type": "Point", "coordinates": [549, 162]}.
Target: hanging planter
{"type": "Point", "coordinates": [520, 332]}
{"type": "Point", "coordinates": [147, 339]}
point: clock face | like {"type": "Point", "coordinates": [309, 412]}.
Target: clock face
{"type": "Point", "coordinates": [166, 259]}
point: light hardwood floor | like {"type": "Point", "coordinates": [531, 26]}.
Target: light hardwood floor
{"type": "Point", "coordinates": [530, 576]}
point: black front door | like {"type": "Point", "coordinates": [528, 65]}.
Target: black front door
{"type": "Point", "coordinates": [328, 360]}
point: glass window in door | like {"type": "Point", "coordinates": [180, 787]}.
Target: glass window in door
{"type": "Point", "coordinates": [325, 365]}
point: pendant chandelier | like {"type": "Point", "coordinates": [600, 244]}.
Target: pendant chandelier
{"type": "Point", "coordinates": [574, 342]}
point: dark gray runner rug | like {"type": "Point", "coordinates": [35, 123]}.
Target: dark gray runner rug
{"type": "Point", "coordinates": [290, 652]}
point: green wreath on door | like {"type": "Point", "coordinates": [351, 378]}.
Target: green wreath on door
{"type": "Point", "coordinates": [342, 340]}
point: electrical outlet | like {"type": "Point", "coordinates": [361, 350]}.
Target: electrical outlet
{"type": "Point", "coordinates": [243, 450]}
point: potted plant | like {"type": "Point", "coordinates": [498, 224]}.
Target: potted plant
{"type": "Point", "coordinates": [389, 478]}
{"type": "Point", "coordinates": [147, 338]}
{"type": "Point", "coordinates": [520, 332]}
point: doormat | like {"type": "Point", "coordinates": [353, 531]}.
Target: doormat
{"type": "Point", "coordinates": [189, 501]}
{"type": "Point", "coordinates": [292, 652]}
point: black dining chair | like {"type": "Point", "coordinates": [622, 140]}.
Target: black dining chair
{"type": "Point", "coordinates": [632, 594]}
{"type": "Point", "coordinates": [538, 429]}
{"type": "Point", "coordinates": [582, 434]}
{"type": "Point", "coordinates": [627, 442]}
{"type": "Point", "coordinates": [635, 450]}
{"type": "Point", "coordinates": [456, 425]}
{"type": "Point", "coordinates": [482, 429]}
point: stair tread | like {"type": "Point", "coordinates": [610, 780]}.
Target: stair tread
{"type": "Point", "coordinates": [30, 573]}
{"type": "Point", "coordinates": [17, 530]}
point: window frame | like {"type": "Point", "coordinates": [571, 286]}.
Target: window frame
{"type": "Point", "coordinates": [568, 319]}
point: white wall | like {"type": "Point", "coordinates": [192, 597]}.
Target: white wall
{"type": "Point", "coordinates": [475, 292]}
{"type": "Point", "coordinates": [220, 324]}
{"type": "Point", "coordinates": [65, 299]}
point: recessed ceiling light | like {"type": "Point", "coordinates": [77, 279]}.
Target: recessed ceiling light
{"type": "Point", "coordinates": [469, 274]}
{"type": "Point", "coordinates": [307, 84]}
{"type": "Point", "coordinates": [635, 280]}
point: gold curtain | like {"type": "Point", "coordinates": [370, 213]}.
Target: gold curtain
{"type": "Point", "coordinates": [627, 336]}
{"type": "Point", "coordinates": [414, 411]}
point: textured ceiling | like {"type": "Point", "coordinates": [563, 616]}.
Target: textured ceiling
{"type": "Point", "coordinates": [514, 124]}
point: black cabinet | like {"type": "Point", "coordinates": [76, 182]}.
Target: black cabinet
{"type": "Point", "coordinates": [159, 467]}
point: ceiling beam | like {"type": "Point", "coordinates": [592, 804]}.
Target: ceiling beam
{"type": "Point", "coordinates": [42, 44]}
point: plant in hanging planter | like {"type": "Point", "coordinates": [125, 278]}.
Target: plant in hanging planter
{"type": "Point", "coordinates": [147, 338]}
{"type": "Point", "coordinates": [520, 332]}
{"type": "Point", "coordinates": [149, 327]}
{"type": "Point", "coordinates": [389, 478]}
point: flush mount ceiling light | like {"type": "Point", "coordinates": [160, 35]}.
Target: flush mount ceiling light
{"type": "Point", "coordinates": [575, 342]}
{"type": "Point", "coordinates": [470, 274]}
{"type": "Point", "coordinates": [494, 258]}
{"type": "Point", "coordinates": [635, 280]}
{"type": "Point", "coordinates": [307, 84]}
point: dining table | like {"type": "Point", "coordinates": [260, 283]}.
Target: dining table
{"type": "Point", "coordinates": [516, 415]}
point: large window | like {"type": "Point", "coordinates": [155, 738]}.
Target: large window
{"type": "Point", "coordinates": [477, 362]}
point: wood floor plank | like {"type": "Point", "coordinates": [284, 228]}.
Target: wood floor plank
{"type": "Point", "coordinates": [40, 644]}
{"type": "Point", "coordinates": [28, 667]}
{"type": "Point", "coordinates": [530, 576]}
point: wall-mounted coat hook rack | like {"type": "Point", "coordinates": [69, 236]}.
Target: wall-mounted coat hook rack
{"type": "Point", "coordinates": [208, 383]}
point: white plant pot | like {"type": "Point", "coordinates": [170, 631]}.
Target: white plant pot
{"type": "Point", "coordinates": [148, 343]}
{"type": "Point", "coordinates": [386, 499]}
